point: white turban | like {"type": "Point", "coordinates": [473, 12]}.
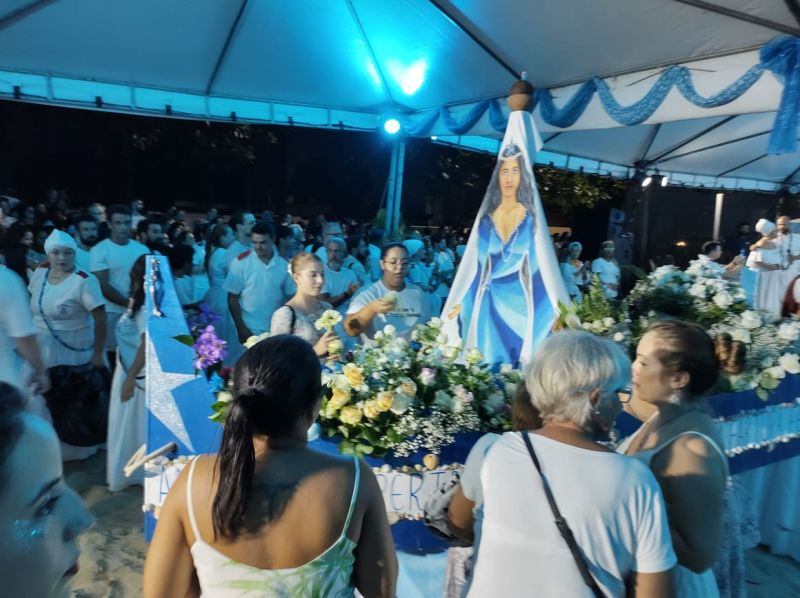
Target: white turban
{"type": "Point", "coordinates": [58, 238]}
{"type": "Point", "coordinates": [764, 226]}
{"type": "Point", "coordinates": [413, 246]}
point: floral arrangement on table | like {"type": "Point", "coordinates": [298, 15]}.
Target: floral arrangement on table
{"type": "Point", "coordinates": [756, 352]}
{"type": "Point", "coordinates": [405, 396]}
{"type": "Point", "coordinates": [393, 394]}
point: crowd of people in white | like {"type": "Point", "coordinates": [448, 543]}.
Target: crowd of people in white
{"type": "Point", "coordinates": [84, 277]}
{"type": "Point", "coordinates": [649, 525]}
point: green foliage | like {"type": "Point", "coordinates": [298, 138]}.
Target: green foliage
{"type": "Point", "coordinates": [569, 190]}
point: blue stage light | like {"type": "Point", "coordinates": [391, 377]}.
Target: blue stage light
{"type": "Point", "coordinates": [391, 126]}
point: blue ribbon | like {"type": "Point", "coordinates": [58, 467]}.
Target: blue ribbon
{"type": "Point", "coordinates": [781, 56]}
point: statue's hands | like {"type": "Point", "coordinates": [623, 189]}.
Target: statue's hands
{"type": "Point", "coordinates": [454, 312]}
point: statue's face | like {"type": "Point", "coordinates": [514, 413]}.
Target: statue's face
{"type": "Point", "coordinates": [509, 177]}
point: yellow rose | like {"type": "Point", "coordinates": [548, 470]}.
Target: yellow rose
{"type": "Point", "coordinates": [371, 410]}
{"type": "Point", "coordinates": [384, 400]}
{"type": "Point", "coordinates": [339, 399]}
{"type": "Point", "coordinates": [408, 388]}
{"type": "Point", "coordinates": [353, 374]}
{"type": "Point", "coordinates": [350, 415]}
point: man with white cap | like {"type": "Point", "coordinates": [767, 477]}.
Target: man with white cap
{"type": "Point", "coordinates": [111, 261]}
{"type": "Point", "coordinates": [788, 244]}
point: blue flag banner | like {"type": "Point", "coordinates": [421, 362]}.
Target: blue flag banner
{"type": "Point", "coordinates": [504, 298]}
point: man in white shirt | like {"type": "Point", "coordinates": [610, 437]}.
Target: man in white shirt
{"type": "Point", "coordinates": [150, 232]}
{"type": "Point", "coordinates": [257, 284]}
{"type": "Point", "coordinates": [86, 238]}
{"type": "Point", "coordinates": [111, 261]}
{"type": "Point", "coordinates": [789, 246]}
{"type": "Point", "coordinates": [340, 283]}
{"type": "Point", "coordinates": [390, 300]}
{"type": "Point", "coordinates": [329, 231]}
{"type": "Point", "coordinates": [18, 344]}
{"type": "Point", "coordinates": [137, 212]}
{"type": "Point", "coordinates": [607, 269]}
{"type": "Point", "coordinates": [242, 224]}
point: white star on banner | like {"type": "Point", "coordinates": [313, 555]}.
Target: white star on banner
{"type": "Point", "coordinates": [161, 401]}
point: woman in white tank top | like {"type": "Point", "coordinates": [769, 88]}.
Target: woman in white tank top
{"type": "Point", "coordinates": [675, 365]}
{"type": "Point", "coordinates": [267, 515]}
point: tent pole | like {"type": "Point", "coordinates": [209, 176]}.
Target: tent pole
{"type": "Point", "coordinates": [394, 190]}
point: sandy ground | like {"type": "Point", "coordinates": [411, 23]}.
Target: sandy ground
{"type": "Point", "coordinates": [113, 552]}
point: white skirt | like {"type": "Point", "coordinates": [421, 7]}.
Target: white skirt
{"type": "Point", "coordinates": [127, 431]}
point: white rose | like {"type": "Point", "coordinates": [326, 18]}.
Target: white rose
{"type": "Point", "coordinates": [750, 320]}
{"type": "Point", "coordinates": [226, 397]}
{"type": "Point", "coordinates": [435, 323]}
{"type": "Point", "coordinates": [776, 372]}
{"type": "Point", "coordinates": [495, 401]}
{"type": "Point", "coordinates": [619, 337]}
{"type": "Point", "coordinates": [723, 299]}
{"type": "Point", "coordinates": [788, 331]}
{"type": "Point", "coordinates": [443, 400]}
{"type": "Point", "coordinates": [505, 368]}
{"type": "Point", "coordinates": [474, 356]}
{"type": "Point", "coordinates": [742, 335]}
{"type": "Point", "coordinates": [400, 404]}
{"type": "Point", "coordinates": [441, 339]}
{"type": "Point", "coordinates": [697, 290]}
{"type": "Point", "coordinates": [587, 326]}
{"type": "Point", "coordinates": [608, 322]}
{"type": "Point", "coordinates": [790, 362]}
{"type": "Point", "coordinates": [389, 330]}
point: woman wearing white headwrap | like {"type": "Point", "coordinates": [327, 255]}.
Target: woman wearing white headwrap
{"type": "Point", "coordinates": [765, 259]}
{"type": "Point", "coordinates": [69, 313]}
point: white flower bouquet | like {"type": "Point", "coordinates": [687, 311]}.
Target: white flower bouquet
{"type": "Point", "coordinates": [404, 396]}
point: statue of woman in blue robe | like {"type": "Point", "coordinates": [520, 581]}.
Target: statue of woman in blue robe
{"type": "Point", "coordinates": [496, 314]}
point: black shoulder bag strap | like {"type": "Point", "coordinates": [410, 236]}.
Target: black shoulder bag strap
{"type": "Point", "coordinates": [294, 318]}
{"type": "Point", "coordinates": [562, 525]}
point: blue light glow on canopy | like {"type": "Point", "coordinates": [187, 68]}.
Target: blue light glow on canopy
{"type": "Point", "coordinates": [391, 126]}
{"type": "Point", "coordinates": [410, 78]}
{"type": "Point", "coordinates": [373, 72]}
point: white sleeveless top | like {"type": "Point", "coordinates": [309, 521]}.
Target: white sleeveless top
{"type": "Point", "coordinates": [329, 574]}
{"type": "Point", "coordinates": [688, 584]}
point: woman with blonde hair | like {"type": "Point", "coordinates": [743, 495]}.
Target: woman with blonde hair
{"type": "Point", "coordinates": [300, 313]}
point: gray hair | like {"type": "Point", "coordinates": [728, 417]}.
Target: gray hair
{"type": "Point", "coordinates": [337, 240]}
{"type": "Point", "coordinates": [567, 367]}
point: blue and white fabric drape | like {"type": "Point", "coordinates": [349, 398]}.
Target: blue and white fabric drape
{"type": "Point", "coordinates": [781, 57]}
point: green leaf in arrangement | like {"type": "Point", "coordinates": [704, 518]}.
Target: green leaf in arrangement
{"type": "Point", "coordinates": [186, 339]}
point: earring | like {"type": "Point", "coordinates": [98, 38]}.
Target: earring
{"type": "Point", "coordinates": [675, 398]}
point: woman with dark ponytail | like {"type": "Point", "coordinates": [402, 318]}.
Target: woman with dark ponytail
{"type": "Point", "coordinates": [267, 515]}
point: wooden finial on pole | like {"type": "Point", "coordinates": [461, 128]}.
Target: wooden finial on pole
{"type": "Point", "coordinates": [520, 96]}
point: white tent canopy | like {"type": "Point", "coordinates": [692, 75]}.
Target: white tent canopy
{"type": "Point", "coordinates": [353, 63]}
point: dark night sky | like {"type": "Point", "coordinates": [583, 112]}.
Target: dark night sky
{"type": "Point", "coordinates": [97, 156]}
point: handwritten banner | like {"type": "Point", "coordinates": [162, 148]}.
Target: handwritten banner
{"type": "Point", "coordinates": [403, 492]}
